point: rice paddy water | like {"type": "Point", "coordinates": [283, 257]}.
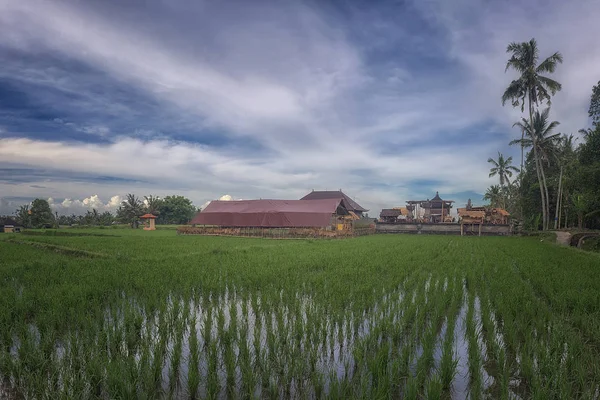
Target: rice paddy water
{"type": "Point", "coordinates": [151, 314]}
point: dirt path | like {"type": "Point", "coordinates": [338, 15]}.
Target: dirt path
{"type": "Point", "coordinates": [563, 238]}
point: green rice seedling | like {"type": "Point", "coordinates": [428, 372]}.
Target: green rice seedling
{"type": "Point", "coordinates": [212, 383]}
{"type": "Point", "coordinates": [475, 363]}
{"type": "Point", "coordinates": [434, 388]}
{"type": "Point", "coordinates": [193, 380]}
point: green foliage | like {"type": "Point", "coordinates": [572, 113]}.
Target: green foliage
{"type": "Point", "coordinates": [130, 210]}
{"type": "Point", "coordinates": [175, 210]}
{"type": "Point", "coordinates": [41, 214]}
{"type": "Point", "coordinates": [531, 85]}
{"type": "Point", "coordinates": [594, 110]}
{"type": "Point", "coordinates": [494, 196]}
{"type": "Point", "coordinates": [23, 216]}
{"type": "Point", "coordinates": [502, 168]}
{"type": "Point", "coordinates": [152, 204]}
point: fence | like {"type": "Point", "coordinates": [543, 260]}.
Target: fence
{"type": "Point", "coordinates": [276, 233]}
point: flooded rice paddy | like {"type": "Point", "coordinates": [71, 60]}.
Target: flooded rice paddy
{"type": "Point", "coordinates": [443, 330]}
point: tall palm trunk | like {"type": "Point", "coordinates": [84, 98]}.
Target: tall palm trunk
{"type": "Point", "coordinates": [547, 197]}
{"type": "Point", "coordinates": [556, 214]}
{"type": "Point", "coordinates": [522, 146]}
{"type": "Point", "coordinates": [538, 165]}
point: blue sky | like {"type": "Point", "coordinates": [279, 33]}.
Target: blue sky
{"type": "Point", "coordinates": [388, 100]}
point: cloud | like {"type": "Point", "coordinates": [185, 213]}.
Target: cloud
{"type": "Point", "coordinates": [225, 197]}
{"type": "Point", "coordinates": [77, 206]}
{"type": "Point", "coordinates": [388, 103]}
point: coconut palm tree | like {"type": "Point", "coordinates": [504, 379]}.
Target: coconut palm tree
{"type": "Point", "coordinates": [543, 142]}
{"type": "Point", "coordinates": [494, 195]}
{"type": "Point", "coordinates": [531, 87]}
{"type": "Point", "coordinates": [130, 210]}
{"type": "Point", "coordinates": [565, 156]}
{"type": "Point", "coordinates": [152, 204]}
{"type": "Point", "coordinates": [541, 134]}
{"type": "Point", "coordinates": [503, 168]}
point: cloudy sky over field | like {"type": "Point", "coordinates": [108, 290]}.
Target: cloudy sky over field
{"type": "Point", "coordinates": [386, 100]}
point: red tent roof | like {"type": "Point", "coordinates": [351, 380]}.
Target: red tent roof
{"type": "Point", "coordinates": [268, 213]}
{"type": "Point", "coordinates": [148, 216]}
{"type": "Point", "coordinates": [350, 204]}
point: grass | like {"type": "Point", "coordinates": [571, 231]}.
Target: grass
{"type": "Point", "coordinates": [130, 313]}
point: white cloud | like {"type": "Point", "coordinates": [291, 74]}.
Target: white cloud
{"type": "Point", "coordinates": [225, 197]}
{"type": "Point", "coordinates": [292, 80]}
{"type": "Point", "coordinates": [77, 206]}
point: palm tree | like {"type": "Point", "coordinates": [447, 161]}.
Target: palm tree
{"type": "Point", "coordinates": [152, 204]}
{"type": "Point", "coordinates": [493, 195]}
{"type": "Point", "coordinates": [502, 168]}
{"type": "Point", "coordinates": [130, 210]}
{"type": "Point", "coordinates": [543, 141]}
{"type": "Point", "coordinates": [565, 156]}
{"type": "Point", "coordinates": [533, 87]}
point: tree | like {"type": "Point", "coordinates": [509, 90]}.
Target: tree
{"type": "Point", "coordinates": [531, 87]}
{"type": "Point", "coordinates": [565, 156]}
{"type": "Point", "coordinates": [543, 141]}
{"type": "Point", "coordinates": [41, 214]}
{"type": "Point", "coordinates": [502, 168]}
{"type": "Point", "coordinates": [152, 204]}
{"type": "Point", "coordinates": [130, 210]}
{"type": "Point", "coordinates": [23, 216]}
{"type": "Point", "coordinates": [494, 195]}
{"type": "Point", "coordinates": [106, 218]}
{"type": "Point", "coordinates": [594, 110]}
{"type": "Point", "coordinates": [176, 210]}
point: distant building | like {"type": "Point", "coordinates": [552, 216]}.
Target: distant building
{"type": "Point", "coordinates": [9, 225]}
{"type": "Point", "coordinates": [435, 210]}
{"type": "Point", "coordinates": [323, 213]}
{"type": "Point", "coordinates": [483, 215]}
{"type": "Point", "coordinates": [353, 207]}
{"type": "Point", "coordinates": [390, 215]}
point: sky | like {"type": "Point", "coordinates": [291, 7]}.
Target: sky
{"type": "Point", "coordinates": [386, 100]}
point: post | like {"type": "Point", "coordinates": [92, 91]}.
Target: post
{"type": "Point", "coordinates": [462, 227]}
{"type": "Point", "coordinates": [480, 229]}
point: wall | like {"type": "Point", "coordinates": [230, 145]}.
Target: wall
{"type": "Point", "coordinates": [442, 229]}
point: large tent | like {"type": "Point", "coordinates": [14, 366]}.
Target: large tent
{"type": "Point", "coordinates": [271, 213]}
{"type": "Point", "coordinates": [347, 202]}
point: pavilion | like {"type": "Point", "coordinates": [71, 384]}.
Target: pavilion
{"type": "Point", "coordinates": [435, 210]}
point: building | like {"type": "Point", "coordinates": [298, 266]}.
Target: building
{"type": "Point", "coordinates": [389, 215]}
{"type": "Point", "coordinates": [435, 210]}
{"type": "Point", "coordinates": [483, 215]}
{"type": "Point", "coordinates": [353, 207]}
{"type": "Point", "coordinates": [328, 213]}
{"type": "Point", "coordinates": [9, 225]}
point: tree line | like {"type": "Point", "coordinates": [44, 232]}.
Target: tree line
{"type": "Point", "coordinates": [558, 182]}
{"type": "Point", "coordinates": [168, 210]}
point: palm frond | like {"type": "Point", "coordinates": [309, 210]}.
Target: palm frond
{"type": "Point", "coordinates": [514, 93]}
{"type": "Point", "coordinates": [550, 84]}
{"type": "Point", "coordinates": [550, 63]}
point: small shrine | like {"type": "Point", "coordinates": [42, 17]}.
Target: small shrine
{"type": "Point", "coordinates": [148, 221]}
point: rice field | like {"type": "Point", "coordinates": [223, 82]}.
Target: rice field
{"type": "Point", "coordinates": [135, 314]}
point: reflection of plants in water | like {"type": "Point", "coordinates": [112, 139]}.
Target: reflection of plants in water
{"type": "Point", "coordinates": [442, 317]}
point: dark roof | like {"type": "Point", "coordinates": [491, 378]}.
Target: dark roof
{"type": "Point", "coordinates": [269, 213]}
{"type": "Point", "coordinates": [389, 212]}
{"type": "Point", "coordinates": [437, 196]}
{"type": "Point", "coordinates": [350, 204]}
{"type": "Point", "coordinates": [8, 221]}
